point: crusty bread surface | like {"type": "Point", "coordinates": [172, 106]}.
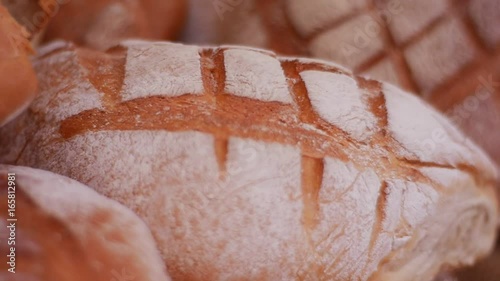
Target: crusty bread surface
{"type": "Point", "coordinates": [249, 166]}
{"type": "Point", "coordinates": [63, 230]}
{"type": "Point", "coordinates": [446, 51]}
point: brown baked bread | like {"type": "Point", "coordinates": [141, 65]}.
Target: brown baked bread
{"type": "Point", "coordinates": [34, 15]}
{"type": "Point", "coordinates": [103, 23]}
{"type": "Point", "coordinates": [446, 51]}
{"type": "Point", "coordinates": [247, 166]}
{"type": "Point", "coordinates": [61, 230]}
{"type": "Point", "coordinates": [18, 80]}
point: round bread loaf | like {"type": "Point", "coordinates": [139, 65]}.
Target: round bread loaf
{"type": "Point", "coordinates": [103, 23]}
{"type": "Point", "coordinates": [446, 51]}
{"type": "Point", "coordinates": [247, 166]}
{"type": "Point", "coordinates": [59, 229]}
{"type": "Point", "coordinates": [18, 80]}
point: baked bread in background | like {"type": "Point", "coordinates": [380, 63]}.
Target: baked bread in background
{"type": "Point", "coordinates": [103, 23]}
{"type": "Point", "coordinates": [202, 22]}
{"type": "Point", "coordinates": [447, 51]}
{"type": "Point", "coordinates": [34, 15]}
{"type": "Point", "coordinates": [66, 231]}
{"type": "Point", "coordinates": [246, 165]}
{"type": "Point", "coordinates": [17, 77]}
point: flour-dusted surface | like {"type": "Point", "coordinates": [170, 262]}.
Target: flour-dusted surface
{"type": "Point", "coordinates": [254, 75]}
{"type": "Point", "coordinates": [246, 219]}
{"type": "Point", "coordinates": [113, 235]}
{"type": "Point", "coordinates": [151, 74]}
{"type": "Point", "coordinates": [441, 50]}
{"type": "Point", "coordinates": [312, 17]}
{"type": "Point", "coordinates": [406, 19]}
{"type": "Point", "coordinates": [384, 70]}
{"type": "Point", "coordinates": [348, 50]}
{"type": "Point", "coordinates": [337, 99]}
{"type": "Point", "coordinates": [70, 99]}
{"type": "Point", "coordinates": [437, 58]}
{"type": "Point", "coordinates": [485, 16]}
{"type": "Point", "coordinates": [421, 131]}
{"type": "Point", "coordinates": [357, 189]}
{"type": "Point", "coordinates": [300, 171]}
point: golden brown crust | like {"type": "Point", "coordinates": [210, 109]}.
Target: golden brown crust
{"type": "Point", "coordinates": [18, 81]}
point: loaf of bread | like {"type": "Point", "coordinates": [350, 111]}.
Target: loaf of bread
{"type": "Point", "coordinates": [103, 23]}
{"type": "Point", "coordinates": [17, 77]}
{"type": "Point", "coordinates": [248, 166]}
{"type": "Point", "coordinates": [61, 230]}
{"type": "Point", "coordinates": [446, 51]}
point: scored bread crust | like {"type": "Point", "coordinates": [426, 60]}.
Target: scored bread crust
{"type": "Point", "coordinates": [446, 51]}
{"type": "Point", "coordinates": [250, 166]}
{"type": "Point", "coordinates": [67, 231]}
{"type": "Point", "coordinates": [103, 23]}
{"type": "Point", "coordinates": [18, 80]}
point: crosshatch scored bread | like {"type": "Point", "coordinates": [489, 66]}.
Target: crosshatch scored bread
{"type": "Point", "coordinates": [66, 231]}
{"type": "Point", "coordinates": [446, 51]}
{"type": "Point", "coordinates": [17, 77]}
{"type": "Point", "coordinates": [250, 166]}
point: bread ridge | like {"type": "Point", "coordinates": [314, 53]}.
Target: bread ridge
{"type": "Point", "coordinates": [290, 126]}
